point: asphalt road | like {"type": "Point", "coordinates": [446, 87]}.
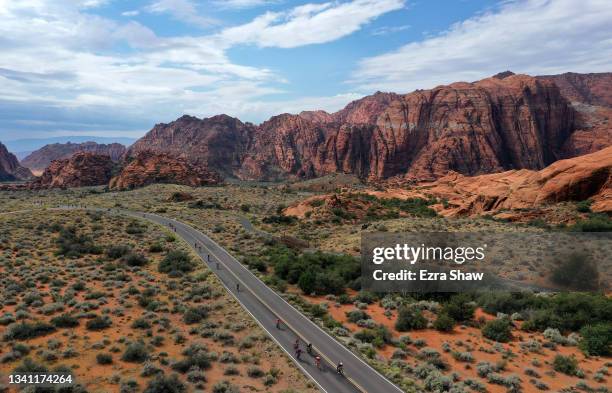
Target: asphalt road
{"type": "Point", "coordinates": [266, 306]}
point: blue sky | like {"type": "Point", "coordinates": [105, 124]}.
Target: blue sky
{"type": "Point", "coordinates": [116, 67]}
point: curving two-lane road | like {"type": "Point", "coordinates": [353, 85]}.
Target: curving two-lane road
{"type": "Point", "coordinates": [266, 306]}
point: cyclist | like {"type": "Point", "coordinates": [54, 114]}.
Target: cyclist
{"type": "Point", "coordinates": [298, 353]}
{"type": "Point", "coordinates": [340, 368]}
{"type": "Point", "coordinates": [309, 348]}
{"type": "Point", "coordinates": [318, 362]}
{"type": "Point", "coordinates": [278, 322]}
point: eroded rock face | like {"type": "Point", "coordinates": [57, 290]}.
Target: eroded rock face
{"type": "Point", "coordinates": [39, 160]}
{"type": "Point", "coordinates": [493, 125]}
{"type": "Point", "coordinates": [80, 170]}
{"type": "Point", "coordinates": [575, 179]}
{"type": "Point", "coordinates": [217, 143]}
{"type": "Point", "coordinates": [10, 169]}
{"type": "Point", "coordinates": [149, 167]}
{"type": "Point", "coordinates": [592, 89]}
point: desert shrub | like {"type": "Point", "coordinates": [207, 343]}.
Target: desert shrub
{"type": "Point", "coordinates": [356, 315]}
{"type": "Point", "coordinates": [597, 339]}
{"type": "Point", "coordinates": [594, 223]}
{"type": "Point", "coordinates": [98, 323]}
{"type": "Point", "coordinates": [225, 387]}
{"type": "Point", "coordinates": [156, 247]}
{"type": "Point", "coordinates": [136, 352]}
{"type": "Point", "coordinates": [196, 355]}
{"type": "Point", "coordinates": [317, 272]}
{"type": "Point", "coordinates": [578, 272]}
{"type": "Point", "coordinates": [72, 245]}
{"type": "Point", "coordinates": [255, 372]}
{"type": "Point", "coordinates": [195, 314]}
{"type": "Point", "coordinates": [30, 366]}
{"type": "Point", "coordinates": [466, 357]}
{"type": "Point", "coordinates": [410, 319]}
{"type": "Point", "coordinates": [279, 219]}
{"type": "Point", "coordinates": [565, 364]}
{"type": "Point", "coordinates": [176, 261]}
{"type": "Point", "coordinates": [134, 228]}
{"type": "Point", "coordinates": [104, 358]}
{"type": "Point", "coordinates": [141, 323]}
{"type": "Point", "coordinates": [134, 259]}
{"type": "Point", "coordinates": [444, 323]}
{"type": "Point", "coordinates": [460, 307]}
{"type": "Point", "coordinates": [584, 206]}
{"type": "Point", "coordinates": [165, 384]}
{"type": "Point", "coordinates": [25, 330]}
{"type": "Point", "coordinates": [65, 321]}
{"type": "Point", "coordinates": [498, 330]}
{"type": "Point", "coordinates": [117, 251]}
{"type": "Point", "coordinates": [483, 369]}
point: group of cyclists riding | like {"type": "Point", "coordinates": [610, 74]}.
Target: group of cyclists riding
{"type": "Point", "coordinates": [309, 350]}
{"type": "Point", "coordinates": [296, 345]}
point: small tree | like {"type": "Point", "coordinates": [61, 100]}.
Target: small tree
{"type": "Point", "coordinates": [565, 364]}
{"type": "Point", "coordinates": [444, 323]}
{"type": "Point", "coordinates": [597, 339]}
{"type": "Point", "coordinates": [498, 330]}
{"type": "Point", "coordinates": [410, 319]}
{"type": "Point", "coordinates": [307, 282]}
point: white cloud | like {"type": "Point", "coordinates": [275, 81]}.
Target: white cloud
{"type": "Point", "coordinates": [527, 36]}
{"type": "Point", "coordinates": [64, 64]}
{"type": "Point", "coordinates": [389, 29]}
{"type": "Point", "coordinates": [309, 24]}
{"type": "Point", "coordinates": [182, 10]}
{"type": "Point", "coordinates": [130, 13]}
{"type": "Point", "coordinates": [242, 4]}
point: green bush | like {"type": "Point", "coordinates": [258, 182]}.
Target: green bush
{"type": "Point", "coordinates": [565, 364]}
{"type": "Point", "coordinates": [195, 314]}
{"type": "Point", "coordinates": [116, 252]}
{"type": "Point", "coordinates": [594, 223]}
{"type": "Point", "coordinates": [498, 330]}
{"type": "Point", "coordinates": [141, 323]}
{"type": "Point", "coordinates": [317, 272]}
{"type": "Point", "coordinates": [104, 358]}
{"type": "Point", "coordinates": [577, 272]}
{"type": "Point", "coordinates": [176, 261]}
{"type": "Point", "coordinates": [460, 307]}
{"type": "Point", "coordinates": [25, 330]}
{"type": "Point", "coordinates": [72, 245]}
{"type": "Point", "coordinates": [136, 352]}
{"type": "Point", "coordinates": [65, 321]}
{"type": "Point", "coordinates": [98, 323]}
{"type": "Point", "coordinates": [164, 384]}
{"type": "Point", "coordinates": [156, 247]}
{"type": "Point", "coordinates": [444, 323]}
{"type": "Point", "coordinates": [134, 259]}
{"type": "Point", "coordinates": [597, 339]}
{"type": "Point", "coordinates": [584, 206]}
{"type": "Point", "coordinates": [410, 319]}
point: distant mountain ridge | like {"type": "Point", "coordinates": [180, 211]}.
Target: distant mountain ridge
{"type": "Point", "coordinates": [28, 145]}
{"type": "Point", "coordinates": [40, 159]}
{"type": "Point", "coordinates": [500, 123]}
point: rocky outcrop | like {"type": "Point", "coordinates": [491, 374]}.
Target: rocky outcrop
{"type": "Point", "coordinates": [591, 97]}
{"type": "Point", "coordinates": [592, 89]}
{"type": "Point", "coordinates": [10, 170]}
{"type": "Point", "coordinates": [576, 179]}
{"type": "Point", "coordinates": [149, 167]}
{"type": "Point", "coordinates": [38, 160]}
{"type": "Point", "coordinates": [80, 170]}
{"type": "Point", "coordinates": [218, 143]}
{"type": "Point", "coordinates": [493, 125]}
